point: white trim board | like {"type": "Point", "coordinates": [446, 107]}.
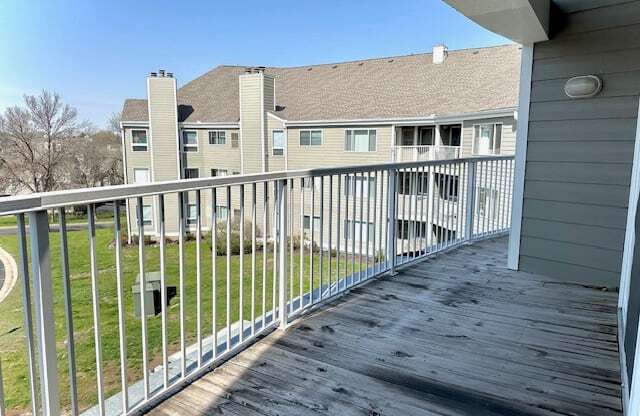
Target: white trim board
{"type": "Point", "coordinates": [522, 134]}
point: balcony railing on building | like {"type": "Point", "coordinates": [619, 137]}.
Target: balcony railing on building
{"type": "Point", "coordinates": [424, 153]}
{"type": "Point", "coordinates": [268, 247]}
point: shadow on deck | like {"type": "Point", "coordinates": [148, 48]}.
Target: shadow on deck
{"type": "Point", "coordinates": [457, 334]}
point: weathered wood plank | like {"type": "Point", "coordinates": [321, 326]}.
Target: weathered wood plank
{"type": "Point", "coordinates": [457, 334]}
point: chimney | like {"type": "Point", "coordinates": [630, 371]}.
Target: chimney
{"type": "Point", "coordinates": [439, 54]}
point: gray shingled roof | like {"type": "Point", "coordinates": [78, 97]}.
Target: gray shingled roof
{"type": "Point", "coordinates": [470, 80]}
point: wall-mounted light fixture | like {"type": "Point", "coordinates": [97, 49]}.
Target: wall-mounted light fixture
{"type": "Point", "coordinates": [584, 86]}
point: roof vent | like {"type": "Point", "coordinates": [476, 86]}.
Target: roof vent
{"type": "Point", "coordinates": [439, 54]}
{"type": "Point", "coordinates": [153, 74]}
{"type": "Point", "coordinates": [161, 72]}
{"type": "Point", "coordinates": [169, 74]}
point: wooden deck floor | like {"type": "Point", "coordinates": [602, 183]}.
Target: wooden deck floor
{"type": "Point", "coordinates": [458, 334]}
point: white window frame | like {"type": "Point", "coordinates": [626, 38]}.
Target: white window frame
{"type": "Point", "coordinates": [186, 169]}
{"type": "Point", "coordinates": [490, 202]}
{"type": "Point", "coordinates": [352, 225]}
{"type": "Point", "coordinates": [310, 140]}
{"type": "Point", "coordinates": [492, 152]}
{"type": "Point", "coordinates": [188, 218]}
{"type": "Point", "coordinates": [217, 137]}
{"type": "Point", "coordinates": [148, 172]}
{"type": "Point", "coordinates": [148, 222]}
{"type": "Point", "coordinates": [273, 142]}
{"type": "Point", "coordinates": [358, 182]}
{"type": "Point", "coordinates": [217, 175]}
{"type": "Point", "coordinates": [222, 212]}
{"type": "Point", "coordinates": [316, 222]}
{"type": "Point", "coordinates": [375, 149]}
{"type": "Point", "coordinates": [191, 147]}
{"type": "Point", "coordinates": [134, 145]}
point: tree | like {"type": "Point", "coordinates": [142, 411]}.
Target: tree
{"type": "Point", "coordinates": [34, 139]}
{"type": "Point", "coordinates": [95, 158]}
{"type": "Point", "coordinates": [113, 124]}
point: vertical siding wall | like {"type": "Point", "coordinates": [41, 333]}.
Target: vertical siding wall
{"type": "Point", "coordinates": [580, 151]}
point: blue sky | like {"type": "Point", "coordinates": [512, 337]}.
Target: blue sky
{"type": "Point", "coordinates": [96, 53]}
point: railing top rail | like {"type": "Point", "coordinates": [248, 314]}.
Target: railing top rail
{"type": "Point", "coordinates": [83, 196]}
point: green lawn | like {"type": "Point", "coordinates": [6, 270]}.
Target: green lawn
{"type": "Point", "coordinates": [12, 345]}
{"type": "Point", "coordinates": [10, 220]}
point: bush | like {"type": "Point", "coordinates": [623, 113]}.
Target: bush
{"type": "Point", "coordinates": [221, 241]}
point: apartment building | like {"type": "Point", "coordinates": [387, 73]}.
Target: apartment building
{"type": "Point", "coordinates": [244, 120]}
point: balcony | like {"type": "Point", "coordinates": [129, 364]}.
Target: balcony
{"type": "Point", "coordinates": [376, 289]}
{"type": "Point", "coordinates": [424, 153]}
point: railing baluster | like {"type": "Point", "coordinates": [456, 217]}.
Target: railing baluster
{"type": "Point", "coordinates": [143, 286]}
{"type": "Point", "coordinates": [254, 237]}
{"type": "Point", "coordinates": [361, 218]}
{"type": "Point", "coordinates": [214, 272]}
{"type": "Point", "coordinates": [347, 228]}
{"type": "Point", "coordinates": [163, 292]}
{"type": "Point", "coordinates": [312, 222]}
{"type": "Point", "coordinates": [122, 331]}
{"type": "Point", "coordinates": [27, 312]}
{"type": "Point", "coordinates": [470, 200]}
{"type": "Point", "coordinates": [68, 310]}
{"type": "Point", "coordinates": [183, 336]}
{"type": "Point", "coordinates": [370, 197]}
{"type": "Point", "coordinates": [302, 237]}
{"type": "Point", "coordinates": [291, 232]}
{"type": "Point", "coordinates": [265, 209]}
{"type": "Point", "coordinates": [354, 193]}
{"type": "Point", "coordinates": [330, 229]}
{"type": "Point", "coordinates": [338, 227]}
{"type": "Point", "coordinates": [414, 197]}
{"type": "Point", "coordinates": [281, 204]}
{"type": "Point", "coordinates": [198, 278]}
{"type": "Point", "coordinates": [228, 285]}
{"type": "Point", "coordinates": [241, 258]}
{"type": "Point", "coordinates": [382, 224]}
{"type": "Point", "coordinates": [391, 223]}
{"type": "Point", "coordinates": [274, 280]}
{"type": "Point", "coordinates": [95, 300]}
{"type": "Point", "coordinates": [321, 236]}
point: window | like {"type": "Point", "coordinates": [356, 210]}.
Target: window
{"type": "Point", "coordinates": [191, 173]}
{"type": "Point", "coordinates": [413, 183]}
{"type": "Point", "coordinates": [426, 136]}
{"type": "Point", "coordinates": [443, 234]}
{"type": "Point", "coordinates": [146, 215]}
{"type": "Point", "coordinates": [278, 142]}
{"type": "Point", "coordinates": [190, 141]}
{"type": "Point", "coordinates": [310, 137]}
{"type": "Point", "coordinates": [306, 183]}
{"type": "Point", "coordinates": [447, 186]}
{"type": "Point", "coordinates": [354, 186]}
{"type": "Point", "coordinates": [450, 135]}
{"type": "Point", "coordinates": [139, 141]}
{"type": "Point", "coordinates": [219, 172]}
{"type": "Point", "coordinates": [221, 212]}
{"type": "Point", "coordinates": [235, 172]}
{"type": "Point", "coordinates": [354, 226]}
{"type": "Point", "coordinates": [140, 175]}
{"type": "Point", "coordinates": [487, 202]}
{"type": "Point", "coordinates": [235, 141]}
{"type": "Point", "coordinates": [408, 230]}
{"type": "Point", "coordinates": [360, 140]}
{"type": "Point", "coordinates": [306, 223]}
{"type": "Point", "coordinates": [217, 137]}
{"type": "Point", "coordinates": [407, 136]}
{"type": "Point", "coordinates": [192, 214]}
{"type": "Point", "coordinates": [487, 139]}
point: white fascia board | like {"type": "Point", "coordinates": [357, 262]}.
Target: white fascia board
{"type": "Point", "coordinates": [523, 21]}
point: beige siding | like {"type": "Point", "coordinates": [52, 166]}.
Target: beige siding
{"type": "Point", "coordinates": [508, 145]}
{"type": "Point", "coordinates": [251, 122]}
{"type": "Point", "coordinates": [275, 162]}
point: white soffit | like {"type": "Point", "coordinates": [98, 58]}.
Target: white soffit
{"type": "Point", "coordinates": [523, 21]}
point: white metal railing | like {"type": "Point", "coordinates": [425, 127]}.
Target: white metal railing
{"type": "Point", "coordinates": [284, 264]}
{"type": "Point", "coordinates": [423, 153]}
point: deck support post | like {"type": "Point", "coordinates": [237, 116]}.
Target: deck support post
{"type": "Point", "coordinates": [471, 203]}
{"type": "Point", "coordinates": [391, 222]}
{"type": "Point", "coordinates": [43, 301]}
{"type": "Point", "coordinates": [281, 233]}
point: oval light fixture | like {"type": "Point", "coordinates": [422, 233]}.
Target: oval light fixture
{"type": "Point", "coordinates": [584, 86]}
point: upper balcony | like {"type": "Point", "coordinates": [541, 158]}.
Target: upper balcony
{"type": "Point", "coordinates": [316, 291]}
{"type": "Point", "coordinates": [423, 153]}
